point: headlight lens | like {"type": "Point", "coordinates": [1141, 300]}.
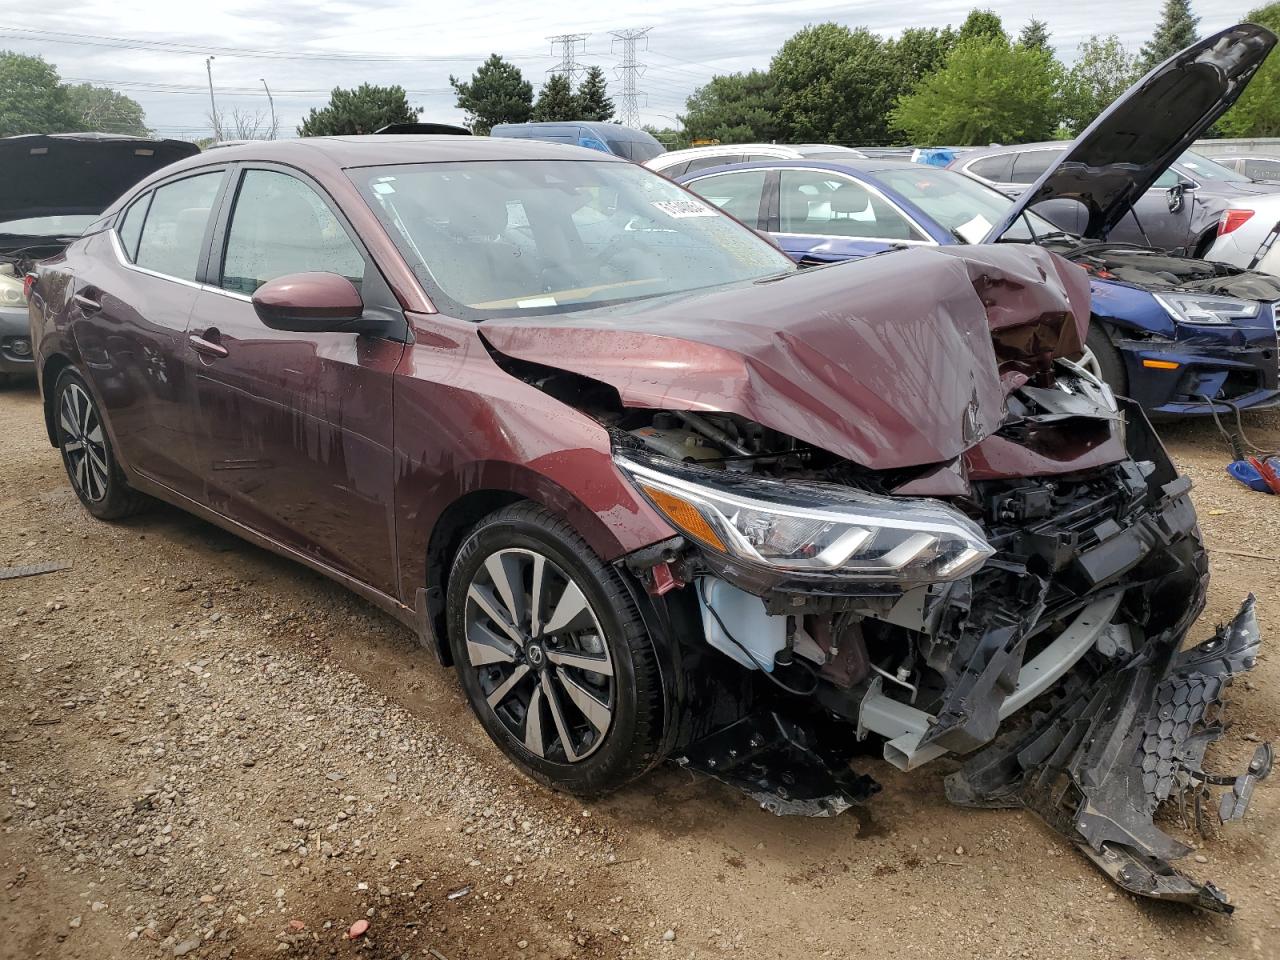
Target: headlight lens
{"type": "Point", "coordinates": [812, 529]}
{"type": "Point", "coordinates": [1192, 308]}
{"type": "Point", "coordinates": [11, 294]}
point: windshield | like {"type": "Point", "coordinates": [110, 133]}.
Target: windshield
{"type": "Point", "coordinates": [963, 206]}
{"type": "Point", "coordinates": [548, 236]}
{"type": "Point", "coordinates": [1202, 168]}
{"type": "Point", "coordinates": [65, 225]}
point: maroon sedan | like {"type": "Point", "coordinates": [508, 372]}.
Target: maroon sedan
{"type": "Point", "coordinates": [655, 491]}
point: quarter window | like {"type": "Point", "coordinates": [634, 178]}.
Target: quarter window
{"type": "Point", "coordinates": [706, 163]}
{"type": "Point", "coordinates": [997, 169]}
{"type": "Point", "coordinates": [130, 229]}
{"type": "Point", "coordinates": [281, 226]}
{"type": "Point", "coordinates": [1030, 165]}
{"type": "Point", "coordinates": [735, 193]}
{"type": "Point", "coordinates": [813, 202]}
{"type": "Point", "coordinates": [173, 232]}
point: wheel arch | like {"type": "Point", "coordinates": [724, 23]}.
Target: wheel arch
{"type": "Point", "coordinates": [49, 375]}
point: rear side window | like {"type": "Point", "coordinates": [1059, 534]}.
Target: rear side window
{"type": "Point", "coordinates": [279, 226]}
{"type": "Point", "coordinates": [1030, 165]}
{"type": "Point", "coordinates": [676, 169]}
{"type": "Point", "coordinates": [173, 232]}
{"type": "Point", "coordinates": [130, 229]}
{"type": "Point", "coordinates": [735, 193]}
{"type": "Point", "coordinates": [703, 163]}
{"type": "Point", "coordinates": [997, 169]}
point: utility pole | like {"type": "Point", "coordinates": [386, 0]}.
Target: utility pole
{"type": "Point", "coordinates": [213, 107]}
{"type": "Point", "coordinates": [568, 44]}
{"type": "Point", "coordinates": [274, 128]}
{"type": "Point", "coordinates": [629, 70]}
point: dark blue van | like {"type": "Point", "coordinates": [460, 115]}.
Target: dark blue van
{"type": "Point", "coordinates": [609, 137]}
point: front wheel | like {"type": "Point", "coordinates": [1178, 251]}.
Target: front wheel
{"type": "Point", "coordinates": [552, 653]}
{"type": "Point", "coordinates": [86, 452]}
{"type": "Point", "coordinates": [1103, 360]}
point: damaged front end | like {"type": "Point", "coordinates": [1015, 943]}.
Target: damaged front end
{"type": "Point", "coordinates": [1012, 589]}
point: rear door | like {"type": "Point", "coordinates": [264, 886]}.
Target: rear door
{"type": "Point", "coordinates": [134, 298]}
{"type": "Point", "coordinates": [741, 193]}
{"type": "Point", "coordinates": [294, 429]}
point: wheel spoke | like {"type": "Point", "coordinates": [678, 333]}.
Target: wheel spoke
{"type": "Point", "coordinates": [572, 604]}
{"type": "Point", "coordinates": [504, 689]}
{"type": "Point", "coordinates": [485, 647]}
{"type": "Point", "coordinates": [485, 601]}
{"type": "Point", "coordinates": [73, 446]}
{"type": "Point", "coordinates": [533, 724]}
{"type": "Point", "coordinates": [86, 411]}
{"type": "Point", "coordinates": [597, 713]}
{"type": "Point", "coordinates": [68, 416]}
{"type": "Point", "coordinates": [504, 571]}
{"type": "Point", "coordinates": [535, 595]}
{"type": "Point", "coordinates": [570, 658]}
{"type": "Point", "coordinates": [557, 715]}
{"type": "Point", "coordinates": [95, 435]}
{"type": "Point", "coordinates": [82, 468]}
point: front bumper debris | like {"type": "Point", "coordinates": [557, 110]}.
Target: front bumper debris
{"type": "Point", "coordinates": [1109, 751]}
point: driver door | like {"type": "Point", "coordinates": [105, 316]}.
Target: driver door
{"type": "Point", "coordinates": [294, 429]}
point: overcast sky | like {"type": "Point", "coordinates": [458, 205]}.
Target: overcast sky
{"type": "Point", "coordinates": [311, 43]}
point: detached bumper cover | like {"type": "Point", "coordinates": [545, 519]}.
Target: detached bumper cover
{"type": "Point", "coordinates": [1099, 761]}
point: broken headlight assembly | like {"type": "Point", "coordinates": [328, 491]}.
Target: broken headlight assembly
{"type": "Point", "coordinates": [1207, 310]}
{"type": "Point", "coordinates": [811, 529]}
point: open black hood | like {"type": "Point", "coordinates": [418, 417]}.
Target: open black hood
{"type": "Point", "coordinates": [1120, 155]}
{"type": "Point", "coordinates": [44, 175]}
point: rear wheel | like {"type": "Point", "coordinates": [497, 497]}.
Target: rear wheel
{"type": "Point", "coordinates": [1102, 359]}
{"type": "Point", "coordinates": [552, 653]}
{"type": "Point", "coordinates": [86, 452]}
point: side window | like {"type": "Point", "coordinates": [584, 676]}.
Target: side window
{"type": "Point", "coordinates": [735, 193]}
{"type": "Point", "coordinates": [130, 228]}
{"type": "Point", "coordinates": [1030, 165]}
{"type": "Point", "coordinates": [173, 233]}
{"type": "Point", "coordinates": [675, 170]}
{"type": "Point", "coordinates": [826, 204]}
{"type": "Point", "coordinates": [997, 169]}
{"type": "Point", "coordinates": [719, 160]}
{"type": "Point", "coordinates": [1260, 169]}
{"type": "Point", "coordinates": [1167, 179]}
{"type": "Point", "coordinates": [279, 226]}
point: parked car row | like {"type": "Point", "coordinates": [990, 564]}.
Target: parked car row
{"type": "Point", "coordinates": [657, 488]}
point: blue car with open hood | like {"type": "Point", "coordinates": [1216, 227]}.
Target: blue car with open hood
{"type": "Point", "coordinates": [1178, 335]}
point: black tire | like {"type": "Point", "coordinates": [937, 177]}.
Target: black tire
{"type": "Point", "coordinates": [1110, 363]}
{"type": "Point", "coordinates": [629, 745]}
{"type": "Point", "coordinates": [90, 462]}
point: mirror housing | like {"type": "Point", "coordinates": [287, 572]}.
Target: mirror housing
{"type": "Point", "coordinates": [309, 303]}
{"type": "Point", "coordinates": [1177, 196]}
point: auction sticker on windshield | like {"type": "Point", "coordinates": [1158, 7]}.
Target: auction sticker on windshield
{"type": "Point", "coordinates": [684, 208]}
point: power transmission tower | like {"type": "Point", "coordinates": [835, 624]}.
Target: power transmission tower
{"type": "Point", "coordinates": [568, 44]}
{"type": "Point", "coordinates": [628, 71]}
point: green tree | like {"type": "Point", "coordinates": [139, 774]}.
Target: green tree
{"type": "Point", "coordinates": [833, 84]}
{"type": "Point", "coordinates": [919, 52]}
{"type": "Point", "coordinates": [556, 100]}
{"type": "Point", "coordinates": [593, 97]}
{"type": "Point", "coordinates": [496, 93]}
{"type": "Point", "coordinates": [982, 25]}
{"type": "Point", "coordinates": [362, 110]}
{"type": "Point", "coordinates": [1257, 112]}
{"type": "Point", "coordinates": [1035, 34]}
{"type": "Point", "coordinates": [1102, 71]}
{"type": "Point", "coordinates": [989, 91]}
{"type": "Point", "coordinates": [101, 108]}
{"type": "Point", "coordinates": [1175, 31]}
{"type": "Point", "coordinates": [734, 108]}
{"type": "Point", "coordinates": [32, 99]}
{"type": "Point", "coordinates": [669, 137]}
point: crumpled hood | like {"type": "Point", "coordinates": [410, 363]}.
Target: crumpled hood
{"type": "Point", "coordinates": [1122, 153]}
{"type": "Point", "coordinates": [77, 173]}
{"type": "Point", "coordinates": [891, 361]}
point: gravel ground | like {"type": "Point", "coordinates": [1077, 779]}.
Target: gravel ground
{"type": "Point", "coordinates": [207, 751]}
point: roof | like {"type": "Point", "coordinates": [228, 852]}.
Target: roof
{"type": "Point", "coordinates": [387, 149]}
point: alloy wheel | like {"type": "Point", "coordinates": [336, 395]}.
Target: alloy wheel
{"type": "Point", "coordinates": [540, 655]}
{"type": "Point", "coordinates": [83, 443]}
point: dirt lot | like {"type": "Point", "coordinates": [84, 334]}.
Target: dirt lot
{"type": "Point", "coordinates": [207, 751]}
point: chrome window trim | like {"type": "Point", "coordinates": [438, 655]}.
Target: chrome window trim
{"type": "Point", "coordinates": [124, 261]}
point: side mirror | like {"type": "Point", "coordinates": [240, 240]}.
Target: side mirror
{"type": "Point", "coordinates": [309, 303]}
{"type": "Point", "coordinates": [1177, 196]}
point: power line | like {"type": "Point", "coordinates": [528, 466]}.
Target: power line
{"type": "Point", "coordinates": [568, 44]}
{"type": "Point", "coordinates": [629, 70]}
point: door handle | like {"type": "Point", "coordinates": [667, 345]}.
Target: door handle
{"type": "Point", "coordinates": [207, 348]}
{"type": "Point", "coordinates": [87, 304]}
